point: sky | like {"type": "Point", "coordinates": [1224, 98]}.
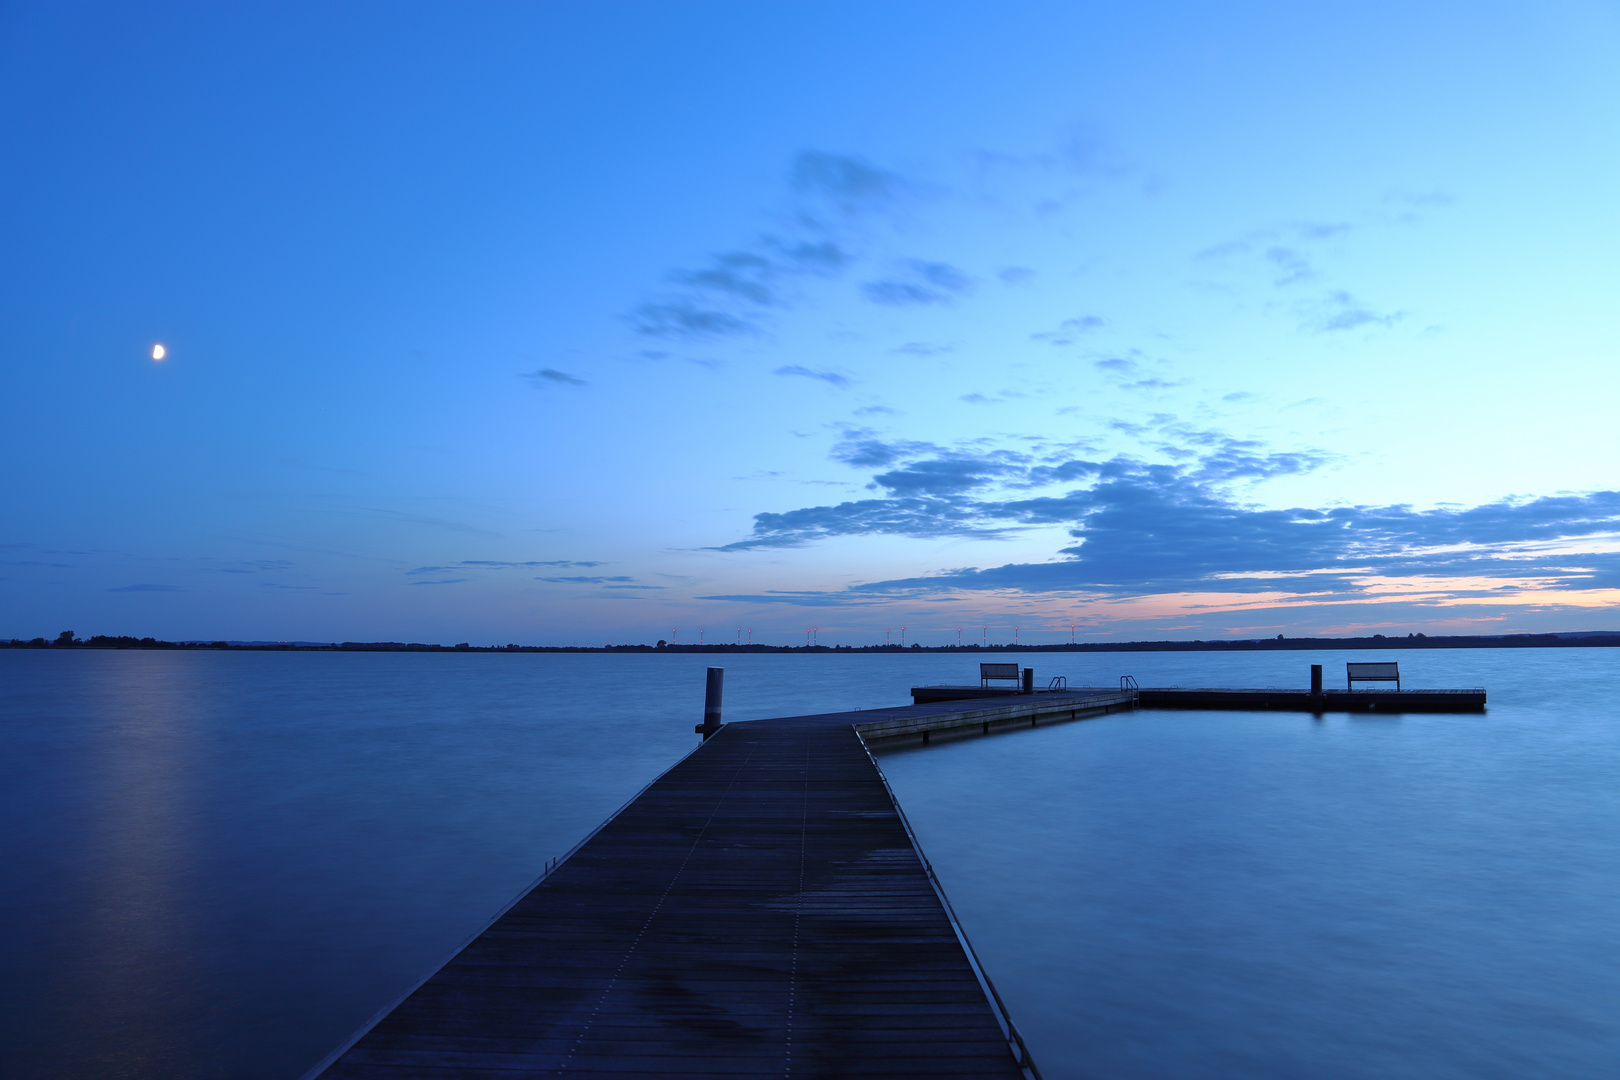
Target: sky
{"type": "Point", "coordinates": [559, 323]}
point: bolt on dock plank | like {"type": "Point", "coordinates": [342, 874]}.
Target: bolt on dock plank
{"type": "Point", "coordinates": [759, 910]}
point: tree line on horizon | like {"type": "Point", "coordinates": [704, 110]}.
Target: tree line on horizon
{"type": "Point", "coordinates": [1593, 638]}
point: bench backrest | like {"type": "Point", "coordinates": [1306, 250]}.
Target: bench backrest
{"type": "Point", "coordinates": [998, 671]}
{"type": "Point", "coordinates": [1374, 672]}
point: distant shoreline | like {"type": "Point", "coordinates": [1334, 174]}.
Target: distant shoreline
{"type": "Point", "coordinates": [1578, 639]}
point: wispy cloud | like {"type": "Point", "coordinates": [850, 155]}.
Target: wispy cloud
{"type": "Point", "coordinates": [798, 599]}
{"type": "Point", "coordinates": [583, 580]}
{"type": "Point", "coordinates": [1341, 311]}
{"type": "Point", "coordinates": [744, 275]}
{"type": "Point", "coordinates": [850, 183]}
{"type": "Point", "coordinates": [734, 292]}
{"type": "Point", "coordinates": [147, 587]}
{"type": "Point", "coordinates": [500, 564]}
{"type": "Point", "coordinates": [1070, 330]}
{"type": "Point", "coordinates": [552, 377]}
{"type": "Point", "coordinates": [921, 348]}
{"type": "Point", "coordinates": [1292, 267]}
{"type": "Point", "coordinates": [919, 282]}
{"type": "Point", "coordinates": [685, 320]}
{"type": "Point", "coordinates": [831, 377]}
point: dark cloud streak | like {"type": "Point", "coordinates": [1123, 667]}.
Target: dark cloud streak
{"type": "Point", "coordinates": [1141, 527]}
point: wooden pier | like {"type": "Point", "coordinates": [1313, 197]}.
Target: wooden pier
{"type": "Point", "coordinates": [1300, 700]}
{"type": "Point", "coordinates": [1389, 701]}
{"type": "Point", "coordinates": [760, 910]}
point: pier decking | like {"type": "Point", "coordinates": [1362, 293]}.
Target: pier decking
{"type": "Point", "coordinates": [1271, 697]}
{"type": "Point", "coordinates": [759, 910]}
{"type": "Point", "coordinates": [1462, 700]}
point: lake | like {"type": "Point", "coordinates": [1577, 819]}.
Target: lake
{"type": "Point", "coordinates": [221, 864]}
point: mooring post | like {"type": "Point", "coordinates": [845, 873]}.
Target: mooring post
{"type": "Point", "coordinates": [712, 692]}
{"type": "Point", "coordinates": [1316, 680]}
{"type": "Point", "coordinates": [1029, 680]}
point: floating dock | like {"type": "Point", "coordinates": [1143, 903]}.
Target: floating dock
{"type": "Point", "coordinates": [760, 910]}
{"type": "Point", "coordinates": [1176, 697]}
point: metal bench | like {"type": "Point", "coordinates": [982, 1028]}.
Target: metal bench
{"type": "Point", "coordinates": [1355, 673]}
{"type": "Point", "coordinates": [999, 671]}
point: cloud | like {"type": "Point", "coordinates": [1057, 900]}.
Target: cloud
{"type": "Point", "coordinates": [799, 599]}
{"type": "Point", "coordinates": [726, 296]}
{"type": "Point", "coordinates": [943, 476]}
{"type": "Point", "coordinates": [921, 348]}
{"type": "Point", "coordinates": [1341, 311]}
{"type": "Point", "coordinates": [822, 257]}
{"type": "Point", "coordinates": [1129, 373]}
{"type": "Point", "coordinates": [494, 564]}
{"type": "Point", "coordinates": [1269, 242]}
{"type": "Point", "coordinates": [684, 319]}
{"type": "Point", "coordinates": [1140, 527]}
{"type": "Point", "coordinates": [923, 518]}
{"type": "Point", "coordinates": [860, 449]}
{"type": "Point", "coordinates": [752, 276]}
{"type": "Point", "coordinates": [145, 587]}
{"type": "Point", "coordinates": [552, 377]}
{"type": "Point", "coordinates": [583, 580]}
{"type": "Point", "coordinates": [740, 274]}
{"type": "Point", "coordinates": [1291, 264]}
{"type": "Point", "coordinates": [919, 283]}
{"type": "Point", "coordinates": [1069, 329]}
{"type": "Point", "coordinates": [901, 293]}
{"type": "Point", "coordinates": [1015, 275]}
{"type": "Point", "coordinates": [850, 183]}
{"type": "Point", "coordinates": [825, 376]}
{"type": "Point", "coordinates": [444, 581]}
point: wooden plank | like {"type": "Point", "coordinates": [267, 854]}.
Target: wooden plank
{"type": "Point", "coordinates": [1440, 700]}
{"type": "Point", "coordinates": [760, 910]}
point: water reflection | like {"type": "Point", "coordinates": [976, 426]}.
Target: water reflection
{"type": "Point", "coordinates": [138, 866]}
{"type": "Point", "coordinates": [220, 864]}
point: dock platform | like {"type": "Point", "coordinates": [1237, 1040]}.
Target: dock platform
{"type": "Point", "coordinates": [1301, 700]}
{"type": "Point", "coordinates": [760, 910]}
{"type": "Point", "coordinates": [1175, 697]}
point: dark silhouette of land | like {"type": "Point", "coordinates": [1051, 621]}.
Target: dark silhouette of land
{"type": "Point", "coordinates": [1576, 639]}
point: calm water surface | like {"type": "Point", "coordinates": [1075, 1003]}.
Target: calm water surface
{"type": "Point", "coordinates": [220, 864]}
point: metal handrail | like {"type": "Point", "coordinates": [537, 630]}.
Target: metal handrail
{"type": "Point", "coordinates": [1128, 682]}
{"type": "Point", "coordinates": [1059, 682]}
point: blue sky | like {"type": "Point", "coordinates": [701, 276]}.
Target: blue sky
{"type": "Point", "coordinates": [605, 322]}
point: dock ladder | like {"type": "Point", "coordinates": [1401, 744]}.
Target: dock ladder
{"type": "Point", "coordinates": [1128, 683]}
